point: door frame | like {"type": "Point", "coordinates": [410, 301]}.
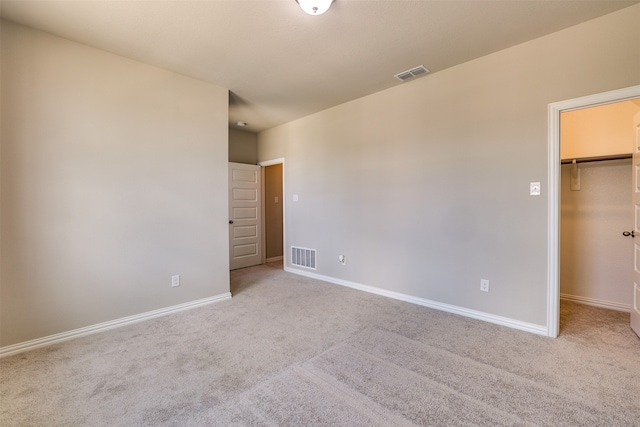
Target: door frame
{"type": "Point", "coordinates": [553, 201]}
{"type": "Point", "coordinates": [278, 161]}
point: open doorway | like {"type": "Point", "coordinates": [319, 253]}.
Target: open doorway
{"type": "Point", "coordinates": [273, 208]}
{"type": "Point", "coordinates": [595, 208]}
{"type": "Point", "coordinates": [555, 170]}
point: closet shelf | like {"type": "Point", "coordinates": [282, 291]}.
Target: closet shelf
{"type": "Point", "coordinates": [597, 158]}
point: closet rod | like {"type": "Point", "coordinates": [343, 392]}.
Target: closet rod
{"type": "Point", "coordinates": [597, 159]}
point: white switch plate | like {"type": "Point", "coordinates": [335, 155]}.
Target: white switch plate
{"type": "Point", "coordinates": [535, 188]}
{"type": "Point", "coordinates": [175, 281]}
{"type": "Point", "coordinates": [295, 197]}
{"type": "Point", "coordinates": [484, 285]}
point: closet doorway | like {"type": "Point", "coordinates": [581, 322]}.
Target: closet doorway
{"type": "Point", "coordinates": [273, 209]}
{"type": "Point", "coordinates": [596, 259]}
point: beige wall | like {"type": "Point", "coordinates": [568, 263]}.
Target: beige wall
{"type": "Point", "coordinates": [596, 259]}
{"type": "Point", "coordinates": [273, 210]}
{"type": "Point", "coordinates": [114, 178]}
{"type": "Point", "coordinates": [243, 146]}
{"type": "Point", "coordinates": [424, 187]}
{"type": "Point", "coordinates": [598, 131]}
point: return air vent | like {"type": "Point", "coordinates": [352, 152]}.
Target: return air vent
{"type": "Point", "coordinates": [414, 72]}
{"type": "Point", "coordinates": [303, 257]}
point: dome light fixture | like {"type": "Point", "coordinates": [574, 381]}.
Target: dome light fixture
{"type": "Point", "coordinates": [314, 7]}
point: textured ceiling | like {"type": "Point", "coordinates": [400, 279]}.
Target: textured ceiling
{"type": "Point", "coordinates": [281, 64]}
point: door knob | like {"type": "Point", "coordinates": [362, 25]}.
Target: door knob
{"type": "Point", "coordinates": [230, 221]}
{"type": "Point", "coordinates": [628, 233]}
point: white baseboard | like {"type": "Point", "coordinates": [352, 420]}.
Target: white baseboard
{"type": "Point", "coordinates": [101, 327]}
{"type": "Point", "coordinates": [479, 315]}
{"type": "Point", "coordinates": [274, 259]}
{"type": "Point", "coordinates": [611, 305]}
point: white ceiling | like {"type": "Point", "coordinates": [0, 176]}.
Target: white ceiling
{"type": "Point", "coordinates": [281, 64]}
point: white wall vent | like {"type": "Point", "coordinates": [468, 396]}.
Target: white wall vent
{"type": "Point", "coordinates": [303, 257]}
{"type": "Point", "coordinates": [414, 72]}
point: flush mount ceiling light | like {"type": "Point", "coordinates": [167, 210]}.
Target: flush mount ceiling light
{"type": "Point", "coordinates": [315, 7]}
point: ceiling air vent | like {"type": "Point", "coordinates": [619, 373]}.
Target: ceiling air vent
{"type": "Point", "coordinates": [414, 72]}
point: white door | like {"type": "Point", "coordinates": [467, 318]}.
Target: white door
{"type": "Point", "coordinates": [244, 216]}
{"type": "Point", "coordinates": [635, 307]}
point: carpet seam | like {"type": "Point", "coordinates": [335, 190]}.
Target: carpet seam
{"type": "Point", "coordinates": [443, 387]}
{"type": "Point", "coordinates": [322, 380]}
{"type": "Point", "coordinates": [587, 408]}
{"type": "Point", "coordinates": [483, 365]}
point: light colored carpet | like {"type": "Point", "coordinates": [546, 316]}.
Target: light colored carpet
{"type": "Point", "coordinates": [287, 350]}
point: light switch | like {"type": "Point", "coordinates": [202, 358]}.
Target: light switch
{"type": "Point", "coordinates": [535, 188]}
{"type": "Point", "coordinates": [276, 199]}
{"type": "Point", "coordinates": [295, 197]}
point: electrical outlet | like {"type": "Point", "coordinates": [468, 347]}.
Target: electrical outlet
{"type": "Point", "coordinates": [484, 285]}
{"type": "Point", "coordinates": [175, 281]}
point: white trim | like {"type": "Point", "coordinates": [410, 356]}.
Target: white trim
{"type": "Point", "coordinates": [553, 224]}
{"type": "Point", "coordinates": [101, 327]}
{"type": "Point", "coordinates": [611, 305]}
{"type": "Point", "coordinates": [479, 315]}
{"type": "Point", "coordinates": [553, 239]}
{"type": "Point", "coordinates": [271, 162]}
{"type": "Point", "coordinates": [263, 216]}
{"type": "Point", "coordinates": [275, 258]}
